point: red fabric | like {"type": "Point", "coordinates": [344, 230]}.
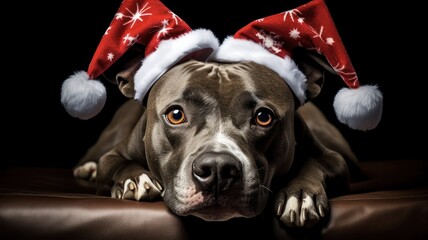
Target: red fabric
{"type": "Point", "coordinates": [310, 26]}
{"type": "Point", "coordinates": [146, 22]}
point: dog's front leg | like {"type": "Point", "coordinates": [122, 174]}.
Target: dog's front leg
{"type": "Point", "coordinates": [317, 172]}
{"type": "Point", "coordinates": [120, 127]}
{"type": "Point", "coordinates": [303, 201]}
{"type": "Point", "coordinates": [123, 172]}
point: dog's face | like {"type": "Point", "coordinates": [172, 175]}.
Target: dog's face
{"type": "Point", "coordinates": [218, 135]}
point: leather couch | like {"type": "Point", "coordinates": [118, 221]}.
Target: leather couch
{"type": "Point", "coordinates": [390, 202]}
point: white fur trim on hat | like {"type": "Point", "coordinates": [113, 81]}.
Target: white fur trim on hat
{"type": "Point", "coordinates": [83, 97]}
{"type": "Point", "coordinates": [236, 50]}
{"type": "Point", "coordinates": [170, 52]}
{"type": "Point", "coordinates": [359, 108]}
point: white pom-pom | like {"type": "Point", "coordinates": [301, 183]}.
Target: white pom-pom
{"type": "Point", "coordinates": [82, 97]}
{"type": "Point", "coordinates": [359, 108]}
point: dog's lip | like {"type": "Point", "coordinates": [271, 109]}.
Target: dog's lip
{"type": "Point", "coordinates": [215, 213]}
{"type": "Point", "coordinates": [220, 207]}
{"type": "Point", "coordinates": [212, 210]}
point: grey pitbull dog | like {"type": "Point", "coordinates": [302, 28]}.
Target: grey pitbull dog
{"type": "Point", "coordinates": [217, 140]}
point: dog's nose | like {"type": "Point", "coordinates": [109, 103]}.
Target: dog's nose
{"type": "Point", "coordinates": [216, 172]}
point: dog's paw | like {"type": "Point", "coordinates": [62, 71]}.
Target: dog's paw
{"type": "Point", "coordinates": [301, 207]}
{"type": "Point", "coordinates": [139, 188]}
{"type": "Point", "coordinates": [87, 171]}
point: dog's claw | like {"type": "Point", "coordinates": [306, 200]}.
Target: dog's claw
{"type": "Point", "coordinates": [158, 185]}
{"type": "Point", "coordinates": [280, 208]}
{"type": "Point", "coordinates": [321, 210]}
{"type": "Point", "coordinates": [304, 214]}
{"type": "Point", "coordinates": [118, 194]}
{"type": "Point", "coordinates": [292, 216]}
{"type": "Point", "coordinates": [131, 186]}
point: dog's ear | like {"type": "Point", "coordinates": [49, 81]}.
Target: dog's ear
{"type": "Point", "coordinates": [314, 66]}
{"type": "Point", "coordinates": [122, 72]}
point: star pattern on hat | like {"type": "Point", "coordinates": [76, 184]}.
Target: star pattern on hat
{"type": "Point", "coordinates": [165, 29]}
{"type": "Point", "coordinates": [291, 14]}
{"type": "Point", "coordinates": [136, 15]}
{"type": "Point", "coordinates": [294, 33]}
{"type": "Point", "coordinates": [175, 17]}
{"type": "Point", "coordinates": [351, 76]}
{"type": "Point", "coordinates": [110, 57]}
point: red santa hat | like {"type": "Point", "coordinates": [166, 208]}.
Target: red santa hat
{"type": "Point", "coordinates": [167, 40]}
{"type": "Point", "coordinates": [270, 41]}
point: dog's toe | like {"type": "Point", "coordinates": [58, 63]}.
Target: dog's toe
{"type": "Point", "coordinates": [147, 189]}
{"type": "Point", "coordinates": [117, 192]}
{"type": "Point", "coordinates": [301, 209]}
{"type": "Point", "coordinates": [288, 209]}
{"type": "Point", "coordinates": [308, 213]}
{"type": "Point", "coordinates": [86, 171]}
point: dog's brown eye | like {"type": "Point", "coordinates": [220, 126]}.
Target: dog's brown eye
{"type": "Point", "coordinates": [264, 117]}
{"type": "Point", "coordinates": [176, 116]}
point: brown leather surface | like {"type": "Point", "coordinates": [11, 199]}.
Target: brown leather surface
{"type": "Point", "coordinates": [44, 203]}
{"type": "Point", "coordinates": [51, 216]}
{"type": "Point", "coordinates": [391, 175]}
{"type": "Point", "coordinates": [393, 214]}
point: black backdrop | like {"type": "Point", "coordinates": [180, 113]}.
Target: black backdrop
{"type": "Point", "coordinates": [45, 42]}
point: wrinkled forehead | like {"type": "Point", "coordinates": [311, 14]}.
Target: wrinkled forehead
{"type": "Point", "coordinates": [203, 82]}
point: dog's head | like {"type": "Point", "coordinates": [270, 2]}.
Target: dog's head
{"type": "Point", "coordinates": [217, 135]}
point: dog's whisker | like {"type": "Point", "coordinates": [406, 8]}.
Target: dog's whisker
{"type": "Point", "coordinates": [264, 187]}
{"type": "Point", "coordinates": [261, 168]}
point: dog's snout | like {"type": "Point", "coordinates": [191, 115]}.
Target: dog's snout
{"type": "Point", "coordinates": [216, 172]}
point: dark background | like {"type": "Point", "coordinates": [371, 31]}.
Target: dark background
{"type": "Point", "coordinates": [45, 42]}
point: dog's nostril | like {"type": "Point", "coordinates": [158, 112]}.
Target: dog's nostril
{"type": "Point", "coordinates": [202, 172]}
{"type": "Point", "coordinates": [216, 172]}
{"type": "Point", "coordinates": [229, 171]}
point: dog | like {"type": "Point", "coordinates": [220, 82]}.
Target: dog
{"type": "Point", "coordinates": [218, 140]}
